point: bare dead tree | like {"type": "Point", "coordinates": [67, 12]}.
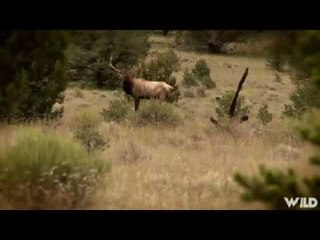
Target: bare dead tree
{"type": "Point", "coordinates": [235, 98]}
{"type": "Point", "coordinates": [234, 101]}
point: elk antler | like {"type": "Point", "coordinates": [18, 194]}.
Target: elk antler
{"type": "Point", "coordinates": [114, 68]}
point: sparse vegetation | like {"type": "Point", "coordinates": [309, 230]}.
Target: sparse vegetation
{"type": "Point", "coordinates": [225, 102]}
{"type": "Point", "coordinates": [119, 108]}
{"type": "Point", "coordinates": [200, 74]}
{"type": "Point", "coordinates": [189, 79]}
{"type": "Point", "coordinates": [271, 186]}
{"type": "Point", "coordinates": [304, 97]}
{"type": "Point", "coordinates": [43, 170]}
{"type": "Point", "coordinates": [155, 113]}
{"type": "Point", "coordinates": [167, 155]}
{"type": "Point", "coordinates": [78, 93]}
{"type": "Point", "coordinates": [189, 93]}
{"type": "Point", "coordinates": [277, 78]}
{"type": "Point", "coordinates": [87, 130]}
{"type": "Point", "coordinates": [263, 114]}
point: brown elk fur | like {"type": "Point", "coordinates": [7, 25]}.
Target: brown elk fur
{"type": "Point", "coordinates": [140, 88]}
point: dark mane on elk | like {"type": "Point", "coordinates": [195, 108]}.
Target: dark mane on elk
{"type": "Point", "coordinates": [234, 101]}
{"type": "Point", "coordinates": [140, 88]}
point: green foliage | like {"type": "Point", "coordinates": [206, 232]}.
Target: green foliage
{"type": "Point", "coordinates": [276, 62]}
{"type": "Point", "coordinates": [270, 187]}
{"type": "Point", "coordinates": [200, 74]}
{"type": "Point", "coordinates": [305, 96]}
{"type": "Point", "coordinates": [91, 50]}
{"type": "Point", "coordinates": [43, 170]}
{"type": "Point", "coordinates": [32, 67]}
{"type": "Point", "coordinates": [225, 103]}
{"type": "Point", "coordinates": [161, 68]}
{"type": "Point", "coordinates": [263, 114]}
{"type": "Point", "coordinates": [157, 113]}
{"type": "Point", "coordinates": [87, 132]}
{"type": "Point", "coordinates": [207, 82]}
{"type": "Point", "coordinates": [301, 48]}
{"type": "Point", "coordinates": [119, 108]}
{"type": "Point", "coordinates": [201, 68]}
{"type": "Point", "coordinates": [189, 79]}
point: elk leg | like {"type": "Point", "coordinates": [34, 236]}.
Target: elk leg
{"type": "Point", "coordinates": [136, 103]}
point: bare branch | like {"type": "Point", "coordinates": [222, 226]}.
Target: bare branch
{"type": "Point", "coordinates": [215, 122]}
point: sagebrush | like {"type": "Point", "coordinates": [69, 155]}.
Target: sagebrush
{"type": "Point", "coordinates": [87, 130]}
{"type": "Point", "coordinates": [118, 109]}
{"type": "Point", "coordinates": [155, 112]}
{"type": "Point", "coordinates": [43, 170]}
{"type": "Point", "coordinates": [264, 116]}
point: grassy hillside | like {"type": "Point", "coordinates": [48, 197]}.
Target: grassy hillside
{"type": "Point", "coordinates": [190, 166]}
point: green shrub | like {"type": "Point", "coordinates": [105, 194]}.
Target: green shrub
{"type": "Point", "coordinates": [161, 68]}
{"type": "Point", "coordinates": [201, 68]}
{"type": "Point", "coordinates": [304, 97]}
{"type": "Point", "coordinates": [207, 82]}
{"type": "Point", "coordinates": [189, 79]}
{"type": "Point", "coordinates": [87, 132]}
{"type": "Point", "coordinates": [225, 103]}
{"type": "Point", "coordinates": [270, 187]}
{"type": "Point", "coordinates": [263, 114]}
{"type": "Point", "coordinates": [200, 74]}
{"type": "Point", "coordinates": [276, 62]}
{"type": "Point", "coordinates": [43, 170]}
{"type": "Point", "coordinates": [119, 108]}
{"type": "Point", "coordinates": [156, 113]}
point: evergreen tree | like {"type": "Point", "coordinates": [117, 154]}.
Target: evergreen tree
{"type": "Point", "coordinates": [32, 72]}
{"type": "Point", "coordinates": [90, 52]}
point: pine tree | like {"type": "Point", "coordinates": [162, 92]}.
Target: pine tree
{"type": "Point", "coordinates": [32, 72]}
{"type": "Point", "coordinates": [90, 52]}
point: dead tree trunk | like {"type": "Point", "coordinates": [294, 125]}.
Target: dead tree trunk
{"type": "Point", "coordinates": [234, 101]}
{"type": "Point", "coordinates": [235, 98]}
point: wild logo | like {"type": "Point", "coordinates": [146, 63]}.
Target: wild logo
{"type": "Point", "coordinates": [304, 202]}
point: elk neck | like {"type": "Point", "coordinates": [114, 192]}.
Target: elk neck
{"type": "Point", "coordinates": [128, 85]}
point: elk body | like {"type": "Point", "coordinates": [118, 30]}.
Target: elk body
{"type": "Point", "coordinates": [140, 88]}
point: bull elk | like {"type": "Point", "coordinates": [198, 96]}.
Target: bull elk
{"type": "Point", "coordinates": [140, 88]}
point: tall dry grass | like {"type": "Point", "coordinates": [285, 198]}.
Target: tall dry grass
{"type": "Point", "coordinates": [190, 165]}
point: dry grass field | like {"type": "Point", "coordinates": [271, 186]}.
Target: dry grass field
{"type": "Point", "coordinates": [191, 166]}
